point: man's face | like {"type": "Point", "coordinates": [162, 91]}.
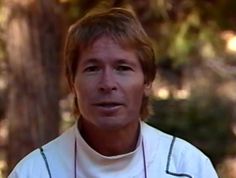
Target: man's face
{"type": "Point", "coordinates": [109, 85]}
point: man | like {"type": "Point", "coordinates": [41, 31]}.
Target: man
{"type": "Point", "coordinates": [110, 68]}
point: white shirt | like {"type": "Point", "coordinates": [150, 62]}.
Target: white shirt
{"type": "Point", "coordinates": [162, 155]}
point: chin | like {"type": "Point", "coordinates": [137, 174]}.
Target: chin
{"type": "Point", "coordinates": [114, 124]}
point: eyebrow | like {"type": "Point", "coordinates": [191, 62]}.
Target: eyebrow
{"type": "Point", "coordinates": [90, 61]}
{"type": "Point", "coordinates": [126, 61]}
{"type": "Point", "coordinates": [117, 61]}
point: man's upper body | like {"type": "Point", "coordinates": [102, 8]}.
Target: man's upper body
{"type": "Point", "coordinates": [157, 154]}
{"type": "Point", "coordinates": [110, 65]}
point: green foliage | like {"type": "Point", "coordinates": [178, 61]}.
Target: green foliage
{"type": "Point", "coordinates": [203, 120]}
{"type": "Point", "coordinates": [186, 25]}
{"type": "Point", "coordinates": [189, 28]}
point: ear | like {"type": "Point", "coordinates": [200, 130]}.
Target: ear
{"type": "Point", "coordinates": [147, 89]}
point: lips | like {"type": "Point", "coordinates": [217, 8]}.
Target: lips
{"type": "Point", "coordinates": [108, 104]}
{"type": "Point", "coordinates": [108, 108]}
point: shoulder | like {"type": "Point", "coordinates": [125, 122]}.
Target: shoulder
{"type": "Point", "coordinates": [29, 166]}
{"type": "Point", "coordinates": [33, 165]}
{"type": "Point", "coordinates": [180, 157]}
{"type": "Point", "coordinates": [174, 146]}
{"type": "Point", "coordinates": [62, 142]}
{"type": "Point", "coordinates": [186, 159]}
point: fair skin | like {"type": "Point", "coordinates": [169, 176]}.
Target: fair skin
{"type": "Point", "coordinates": [109, 85]}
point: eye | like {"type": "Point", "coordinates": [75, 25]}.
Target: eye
{"type": "Point", "coordinates": [91, 69]}
{"type": "Point", "coordinates": [123, 68]}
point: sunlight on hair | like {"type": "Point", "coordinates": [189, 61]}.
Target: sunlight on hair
{"type": "Point", "coordinates": [63, 1]}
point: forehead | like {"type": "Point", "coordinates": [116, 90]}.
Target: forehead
{"type": "Point", "coordinates": [108, 48]}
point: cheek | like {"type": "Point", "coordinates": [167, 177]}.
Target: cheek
{"type": "Point", "coordinates": [136, 94]}
{"type": "Point", "coordinates": [82, 92]}
{"type": "Point", "coordinates": [82, 87]}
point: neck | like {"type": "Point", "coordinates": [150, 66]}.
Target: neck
{"type": "Point", "coordinates": [110, 142]}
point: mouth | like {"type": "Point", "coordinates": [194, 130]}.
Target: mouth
{"type": "Point", "coordinates": [108, 108]}
{"type": "Point", "coordinates": [108, 104]}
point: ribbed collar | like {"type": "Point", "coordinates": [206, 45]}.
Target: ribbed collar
{"type": "Point", "coordinates": [91, 163]}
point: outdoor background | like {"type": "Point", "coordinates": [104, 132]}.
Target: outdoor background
{"type": "Point", "coordinates": [194, 94]}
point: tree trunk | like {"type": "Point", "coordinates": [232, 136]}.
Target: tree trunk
{"type": "Point", "coordinates": [33, 45]}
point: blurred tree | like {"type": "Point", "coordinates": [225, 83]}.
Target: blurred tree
{"type": "Point", "coordinates": [33, 40]}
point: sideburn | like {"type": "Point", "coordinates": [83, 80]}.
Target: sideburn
{"type": "Point", "coordinates": [145, 108]}
{"type": "Point", "coordinates": [76, 112]}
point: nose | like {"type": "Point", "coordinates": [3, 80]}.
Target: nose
{"type": "Point", "coordinates": [107, 81]}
